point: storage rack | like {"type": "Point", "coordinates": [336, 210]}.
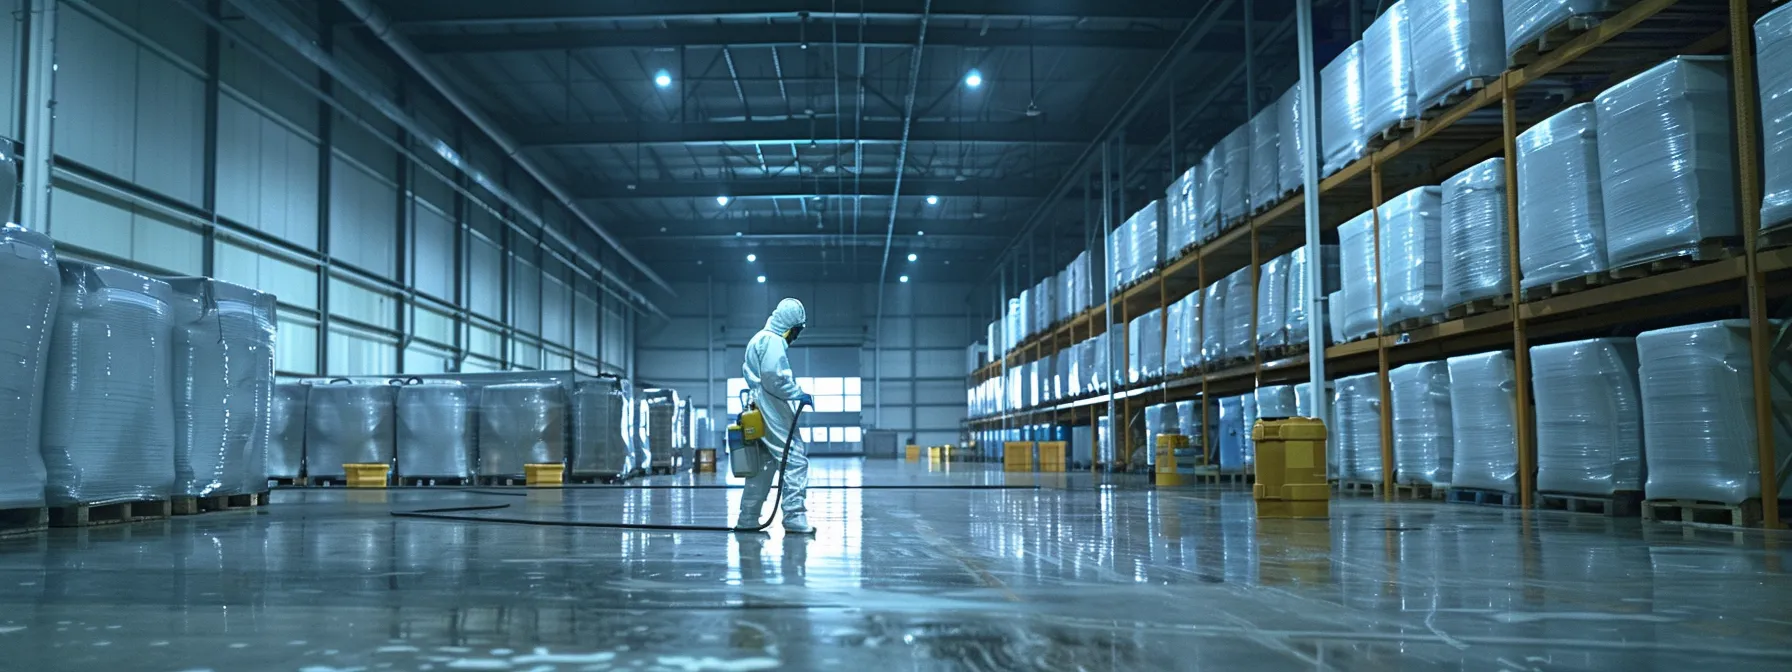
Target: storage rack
{"type": "Point", "coordinates": [1436, 147]}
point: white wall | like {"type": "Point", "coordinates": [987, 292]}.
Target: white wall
{"type": "Point", "coordinates": [379, 266]}
{"type": "Point", "coordinates": [919, 389]}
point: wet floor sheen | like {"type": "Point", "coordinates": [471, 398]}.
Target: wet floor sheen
{"type": "Point", "coordinates": [1073, 575]}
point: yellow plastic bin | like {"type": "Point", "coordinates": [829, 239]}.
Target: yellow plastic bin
{"type": "Point", "coordinates": [1167, 468]}
{"type": "Point", "coordinates": [706, 460]}
{"type": "Point", "coordinates": [1290, 463]}
{"type": "Point", "coordinates": [914, 453]}
{"type": "Point", "coordinates": [366, 475]}
{"type": "Point", "coordinates": [544, 474]}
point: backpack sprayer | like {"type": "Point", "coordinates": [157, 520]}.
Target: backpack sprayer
{"type": "Point", "coordinates": [746, 438]}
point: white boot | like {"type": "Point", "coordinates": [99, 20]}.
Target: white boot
{"type": "Point", "coordinates": [748, 521]}
{"type": "Point", "coordinates": [798, 524]}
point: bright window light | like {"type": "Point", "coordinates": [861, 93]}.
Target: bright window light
{"type": "Point", "coordinates": [752, 257]}
{"type": "Point", "coordinates": [912, 257]}
{"type": "Point", "coordinates": [933, 200]}
{"type": "Point", "coordinates": [903, 278]}
{"type": "Point", "coordinates": [761, 279]}
{"type": "Point", "coordinates": [837, 434]}
{"type": "Point", "coordinates": [804, 432]}
{"type": "Point", "coordinates": [722, 201]}
{"type": "Point", "coordinates": [662, 79]}
{"type": "Point", "coordinates": [973, 78]}
{"type": "Point", "coordinates": [852, 435]}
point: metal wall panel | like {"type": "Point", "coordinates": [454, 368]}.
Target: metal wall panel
{"type": "Point", "coordinates": [356, 302]}
{"type": "Point", "coordinates": [357, 353]}
{"type": "Point", "coordinates": [485, 288]}
{"type": "Point", "coordinates": [110, 227]}
{"type": "Point", "coordinates": [12, 80]}
{"type": "Point", "coordinates": [291, 283]}
{"type": "Point", "coordinates": [433, 325]}
{"type": "Point", "coordinates": [585, 317]}
{"type": "Point", "coordinates": [525, 296]}
{"type": "Point", "coordinates": [432, 253]}
{"type": "Point", "coordinates": [295, 346]}
{"type": "Point", "coordinates": [363, 218]}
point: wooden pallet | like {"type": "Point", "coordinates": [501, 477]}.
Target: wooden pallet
{"type": "Point", "coordinates": [433, 481]}
{"type": "Point", "coordinates": [1463, 91]}
{"type": "Point", "coordinates": [593, 479]}
{"type": "Point", "coordinates": [1388, 135]}
{"type": "Point", "coordinates": [1694, 512]}
{"type": "Point", "coordinates": [23, 521]}
{"type": "Point", "coordinates": [84, 515]}
{"type": "Point", "coordinates": [1418, 491]}
{"type": "Point", "coordinates": [1415, 324]}
{"type": "Point", "coordinates": [1369, 488]}
{"type": "Point", "coordinates": [1618, 504]}
{"type": "Point", "coordinates": [1478, 307]}
{"type": "Point", "coordinates": [1277, 352]}
{"type": "Point", "coordinates": [298, 482]}
{"type": "Point", "coordinates": [1481, 497]}
{"type": "Point", "coordinates": [1568, 286]}
{"type": "Point", "coordinates": [1555, 37]}
{"type": "Point", "coordinates": [1780, 236]}
{"type": "Point", "coordinates": [182, 505]}
{"type": "Point", "coordinates": [1708, 250]}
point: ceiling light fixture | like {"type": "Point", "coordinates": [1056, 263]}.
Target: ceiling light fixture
{"type": "Point", "coordinates": [761, 279]}
{"type": "Point", "coordinates": [662, 79]}
{"type": "Point", "coordinates": [933, 200]}
{"type": "Point", "coordinates": [903, 278]}
{"type": "Point", "coordinates": [973, 79]}
{"type": "Point", "coordinates": [752, 258]}
{"type": "Point", "coordinates": [722, 201]}
{"type": "Point", "coordinates": [911, 256]}
{"type": "Point", "coordinates": [920, 233]}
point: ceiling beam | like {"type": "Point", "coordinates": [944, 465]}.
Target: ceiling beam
{"type": "Point", "coordinates": [800, 131]}
{"type": "Point", "coordinates": [486, 12]}
{"type": "Point", "coordinates": [796, 223]}
{"type": "Point", "coordinates": [933, 242]}
{"type": "Point", "coordinates": [799, 187]}
{"type": "Point", "coordinates": [820, 33]}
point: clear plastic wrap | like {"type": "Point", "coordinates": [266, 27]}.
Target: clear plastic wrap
{"type": "Point", "coordinates": [1474, 234]}
{"type": "Point", "coordinates": [1181, 205]}
{"type": "Point", "coordinates": [1213, 186]}
{"type": "Point", "coordinates": [27, 314]}
{"type": "Point", "coordinates": [1147, 239]}
{"type": "Point", "coordinates": [1773, 67]}
{"type": "Point", "coordinates": [1119, 358]}
{"type": "Point", "coordinates": [1453, 41]}
{"type": "Point", "coordinates": [1304, 407]}
{"type": "Point", "coordinates": [1289, 177]}
{"type": "Point", "coordinates": [1240, 334]}
{"type": "Point", "coordinates": [434, 435]}
{"type": "Point", "coordinates": [1296, 313]}
{"type": "Point", "coordinates": [1334, 316]}
{"type": "Point", "coordinates": [286, 452]}
{"type": "Point", "coordinates": [1666, 145]}
{"type": "Point", "coordinates": [1120, 255]}
{"type": "Point", "coordinates": [1361, 305]}
{"type": "Point", "coordinates": [260, 322]}
{"type": "Point", "coordinates": [223, 373]}
{"type": "Point", "coordinates": [1527, 20]}
{"type": "Point", "coordinates": [1388, 93]}
{"type": "Point", "coordinates": [1276, 401]}
{"type": "Point", "coordinates": [1235, 199]}
{"type": "Point", "coordinates": [525, 423]}
{"type": "Point", "coordinates": [1231, 436]}
{"type": "Point", "coordinates": [1561, 215]}
{"type": "Point", "coordinates": [1698, 413]}
{"type": "Point", "coordinates": [1484, 417]}
{"type": "Point", "coordinates": [1341, 121]}
{"type": "Point", "coordinates": [1099, 353]}
{"type": "Point", "coordinates": [1176, 324]}
{"type": "Point", "coordinates": [1188, 421]}
{"type": "Point", "coordinates": [1191, 348]}
{"type": "Point", "coordinates": [1589, 417]}
{"type": "Point", "coordinates": [108, 420]}
{"type": "Point", "coordinates": [1272, 303]}
{"type": "Point", "coordinates": [1412, 273]}
{"type": "Point", "coordinates": [1160, 419]}
{"type": "Point", "coordinates": [1248, 408]}
{"type": "Point", "coordinates": [1266, 169]}
{"type": "Point", "coordinates": [1213, 322]}
{"type": "Point", "coordinates": [1358, 409]}
{"type": "Point", "coordinates": [349, 423]}
{"type": "Point", "coordinates": [1423, 436]}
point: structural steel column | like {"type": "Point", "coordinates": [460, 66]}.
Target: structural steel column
{"type": "Point", "coordinates": [1521, 348]}
{"type": "Point", "coordinates": [40, 96]}
{"type": "Point", "coordinates": [1309, 158]}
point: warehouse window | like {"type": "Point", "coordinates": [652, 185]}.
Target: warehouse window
{"type": "Point", "coordinates": [832, 395]}
{"type": "Point", "coordinates": [840, 436]}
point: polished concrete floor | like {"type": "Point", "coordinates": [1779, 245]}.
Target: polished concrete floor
{"type": "Point", "coordinates": [1075, 575]}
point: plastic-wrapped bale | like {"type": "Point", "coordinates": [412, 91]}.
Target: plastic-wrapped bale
{"type": "Point", "coordinates": [286, 452]}
{"type": "Point", "coordinates": [1231, 436]}
{"type": "Point", "coordinates": [1484, 417]}
{"type": "Point", "coordinates": [1561, 218]}
{"type": "Point", "coordinates": [1359, 427]}
{"type": "Point", "coordinates": [1099, 352]}
{"type": "Point", "coordinates": [1666, 141]}
{"type": "Point", "coordinates": [1213, 322]}
{"type": "Point", "coordinates": [108, 419]}
{"type": "Point", "coordinates": [1119, 255]}
{"type": "Point", "coordinates": [1248, 408]}
{"type": "Point", "coordinates": [349, 423]}
{"type": "Point", "coordinates": [1240, 333]}
{"type": "Point", "coordinates": [1341, 120]}
{"type": "Point", "coordinates": [223, 374]}
{"type": "Point", "coordinates": [1147, 239]}
{"type": "Point", "coordinates": [1266, 170]}
{"type": "Point", "coordinates": [1361, 308]}
{"type": "Point", "coordinates": [1412, 274]}
{"type": "Point", "coordinates": [1272, 303]}
{"type": "Point", "coordinates": [1119, 357]}
{"type": "Point", "coordinates": [1235, 197]}
{"type": "Point", "coordinates": [1528, 20]}
{"type": "Point", "coordinates": [27, 314]}
{"type": "Point", "coordinates": [435, 430]}
{"type": "Point", "coordinates": [1334, 317]}
{"type": "Point", "coordinates": [1180, 206]}
{"type": "Point", "coordinates": [1423, 436]}
{"type": "Point", "coordinates": [1453, 43]}
{"type": "Point", "coordinates": [525, 423]}
{"type": "Point", "coordinates": [1289, 156]}
{"type": "Point", "coordinates": [1276, 401]}
{"type": "Point", "coordinates": [1589, 417]}
{"type": "Point", "coordinates": [1191, 348]}
{"type": "Point", "coordinates": [1773, 64]}
{"type": "Point", "coordinates": [1698, 413]}
{"type": "Point", "coordinates": [1474, 234]}
{"type": "Point", "coordinates": [1388, 93]}
{"type": "Point", "coordinates": [1176, 324]}
{"type": "Point", "coordinates": [1188, 421]}
{"type": "Point", "coordinates": [1209, 194]}
{"type": "Point", "coordinates": [1297, 310]}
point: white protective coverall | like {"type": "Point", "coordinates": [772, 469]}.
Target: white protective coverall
{"type": "Point", "coordinates": [767, 370]}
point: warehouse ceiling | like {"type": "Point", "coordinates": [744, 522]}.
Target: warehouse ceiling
{"type": "Point", "coordinates": [703, 131]}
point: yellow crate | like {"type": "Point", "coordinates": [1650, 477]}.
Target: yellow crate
{"type": "Point", "coordinates": [366, 475]}
{"type": "Point", "coordinates": [1051, 456]}
{"type": "Point", "coordinates": [544, 474]}
{"type": "Point", "coordinates": [939, 453]}
{"type": "Point", "coordinates": [1017, 456]}
{"type": "Point", "coordinates": [706, 460]}
{"type": "Point", "coordinates": [1290, 461]}
{"type": "Point", "coordinates": [914, 453]}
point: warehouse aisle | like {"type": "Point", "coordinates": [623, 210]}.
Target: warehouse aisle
{"type": "Point", "coordinates": [1070, 576]}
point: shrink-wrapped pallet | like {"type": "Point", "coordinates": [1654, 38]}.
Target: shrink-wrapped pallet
{"type": "Point", "coordinates": [1099, 353]}
{"type": "Point", "coordinates": [1276, 401]}
{"type": "Point", "coordinates": [1666, 142]}
{"type": "Point", "coordinates": [1147, 239]}
{"type": "Point", "coordinates": [286, 450]}
{"type": "Point", "coordinates": [1475, 257]}
{"type": "Point", "coordinates": [27, 315]}
{"type": "Point", "coordinates": [1484, 417]}
{"type": "Point", "coordinates": [1120, 357]}
{"type": "Point", "coordinates": [1272, 303]}
{"type": "Point", "coordinates": [1160, 420]}
{"type": "Point", "coordinates": [1189, 356]}
{"type": "Point", "coordinates": [1341, 110]}
{"type": "Point", "coordinates": [348, 423]}
{"type": "Point", "coordinates": [1231, 435]}
{"type": "Point", "coordinates": [1298, 304]}
{"type": "Point", "coordinates": [1240, 332]}
{"type": "Point", "coordinates": [1361, 307]}
{"type": "Point", "coordinates": [1334, 316]}
{"type": "Point", "coordinates": [1213, 185]}
{"type": "Point", "coordinates": [1453, 43]}
{"type": "Point", "coordinates": [525, 423]}
{"type": "Point", "coordinates": [1528, 20]}
{"type": "Point", "coordinates": [435, 431]}
{"type": "Point", "coordinates": [1773, 66]}
{"type": "Point", "coordinates": [1289, 147]}
{"type": "Point", "coordinates": [1248, 408]}
{"type": "Point", "coordinates": [1561, 215]}
{"type": "Point", "coordinates": [1359, 427]}
{"type": "Point", "coordinates": [1266, 171]}
{"type": "Point", "coordinates": [1188, 421]}
{"type": "Point", "coordinates": [1589, 416]}
{"type": "Point", "coordinates": [1213, 322]}
{"type": "Point", "coordinates": [1698, 413]}
{"type": "Point", "coordinates": [1235, 198]}
{"type": "Point", "coordinates": [223, 385]}
{"type": "Point", "coordinates": [1388, 93]}
{"type": "Point", "coordinates": [1423, 433]}
{"type": "Point", "coordinates": [1412, 273]}
{"type": "Point", "coordinates": [1180, 206]}
{"type": "Point", "coordinates": [108, 421]}
{"type": "Point", "coordinates": [1176, 324]}
{"type": "Point", "coordinates": [1119, 255]}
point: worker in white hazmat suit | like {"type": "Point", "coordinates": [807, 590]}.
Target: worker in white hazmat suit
{"type": "Point", "coordinates": [770, 381]}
